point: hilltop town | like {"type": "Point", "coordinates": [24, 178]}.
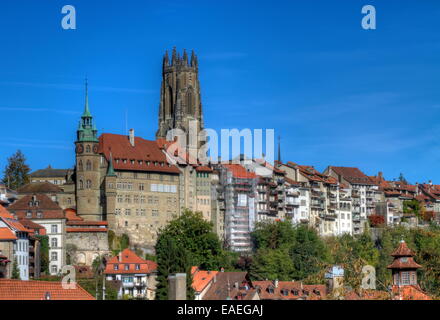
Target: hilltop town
{"type": "Point", "coordinates": [105, 215]}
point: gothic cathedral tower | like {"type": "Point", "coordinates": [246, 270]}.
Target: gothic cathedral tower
{"type": "Point", "coordinates": [180, 101]}
{"type": "Point", "coordinates": [87, 167]}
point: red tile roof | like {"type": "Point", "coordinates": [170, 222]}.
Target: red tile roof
{"type": "Point", "coordinates": [49, 209]}
{"type": "Point", "coordinates": [70, 230]}
{"type": "Point", "coordinates": [145, 155]}
{"type": "Point", "coordinates": [352, 175]}
{"type": "Point", "coordinates": [7, 234]}
{"type": "Point", "coordinates": [413, 292]}
{"type": "Point", "coordinates": [238, 171]}
{"type": "Point", "coordinates": [37, 290]}
{"type": "Point", "coordinates": [201, 278]}
{"type": "Point", "coordinates": [129, 258]}
{"type": "Point", "coordinates": [402, 250]}
{"type": "Point", "coordinates": [289, 290]}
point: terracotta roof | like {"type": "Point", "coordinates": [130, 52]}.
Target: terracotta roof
{"type": "Point", "coordinates": [407, 263]}
{"type": "Point", "coordinates": [352, 175]}
{"type": "Point", "coordinates": [29, 224]}
{"type": "Point", "coordinates": [39, 187]}
{"type": "Point", "coordinates": [201, 278]}
{"type": "Point", "coordinates": [86, 230]}
{"type": "Point", "coordinates": [224, 287]}
{"type": "Point", "coordinates": [203, 169]}
{"type": "Point", "coordinates": [145, 155]}
{"type": "Point", "coordinates": [49, 209]}
{"type": "Point", "coordinates": [240, 172]}
{"type": "Point", "coordinates": [130, 259]}
{"type": "Point", "coordinates": [7, 234]}
{"type": "Point", "coordinates": [37, 290]}
{"type": "Point", "coordinates": [402, 250]}
{"type": "Point", "coordinates": [412, 292]}
{"type": "Point", "coordinates": [289, 290]}
{"type": "Point", "coordinates": [71, 215]}
{"type": "Point", "coordinates": [4, 213]}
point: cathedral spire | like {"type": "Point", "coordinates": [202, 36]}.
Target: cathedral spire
{"type": "Point", "coordinates": [174, 57]}
{"type": "Point", "coordinates": [87, 130]}
{"type": "Point", "coordinates": [185, 58]}
{"type": "Point", "coordinates": [166, 59]}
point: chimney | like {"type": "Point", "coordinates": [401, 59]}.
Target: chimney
{"type": "Point", "coordinates": [177, 286]}
{"type": "Point", "coordinates": [380, 175]}
{"type": "Point", "coordinates": [131, 137]}
{"type": "Point", "coordinates": [275, 283]}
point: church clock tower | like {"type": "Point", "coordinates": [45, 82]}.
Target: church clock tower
{"type": "Point", "coordinates": [87, 167]}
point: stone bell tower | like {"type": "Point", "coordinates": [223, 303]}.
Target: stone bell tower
{"type": "Point", "coordinates": [88, 178]}
{"type": "Point", "coordinates": [180, 102]}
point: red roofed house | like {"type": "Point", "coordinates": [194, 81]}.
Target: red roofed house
{"type": "Point", "coordinates": [40, 209]}
{"type": "Point", "coordinates": [40, 290]}
{"type": "Point", "coordinates": [404, 270]}
{"type": "Point", "coordinates": [14, 245]}
{"type": "Point", "coordinates": [137, 276]}
{"type": "Point", "coordinates": [201, 281]}
{"type": "Point", "coordinates": [289, 290]}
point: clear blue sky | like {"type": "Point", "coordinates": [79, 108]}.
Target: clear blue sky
{"type": "Point", "coordinates": [337, 94]}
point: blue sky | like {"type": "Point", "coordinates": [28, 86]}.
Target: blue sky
{"type": "Point", "coordinates": [337, 94]}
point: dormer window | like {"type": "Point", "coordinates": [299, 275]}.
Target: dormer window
{"type": "Point", "coordinates": [132, 161]}
{"type": "Point", "coordinates": [29, 214]}
{"type": "Point", "coordinates": [125, 160]}
{"type": "Point", "coordinates": [138, 267]}
{"type": "Point", "coordinates": [285, 292]}
{"type": "Point", "coordinates": [39, 214]}
{"type": "Point", "coordinates": [295, 292]}
{"type": "Point", "coordinates": [116, 267]}
{"type": "Point", "coordinates": [127, 267]}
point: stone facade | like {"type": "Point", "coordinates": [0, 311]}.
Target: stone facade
{"type": "Point", "coordinates": [88, 246]}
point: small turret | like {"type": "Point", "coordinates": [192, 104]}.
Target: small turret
{"type": "Point", "coordinates": [185, 58]}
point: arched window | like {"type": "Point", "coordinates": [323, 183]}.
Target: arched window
{"type": "Point", "coordinates": [88, 184]}
{"type": "Point", "coordinates": [81, 185]}
{"type": "Point", "coordinates": [88, 165]}
{"type": "Point", "coordinates": [190, 102]}
{"type": "Point", "coordinates": [80, 165]}
{"type": "Point", "coordinates": [88, 148]}
{"type": "Point", "coordinates": [54, 243]}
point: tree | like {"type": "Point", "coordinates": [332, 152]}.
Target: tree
{"type": "Point", "coordinates": [172, 257]}
{"type": "Point", "coordinates": [376, 220]}
{"type": "Point", "coordinates": [195, 234]}
{"type": "Point", "coordinates": [309, 253]}
{"type": "Point", "coordinates": [16, 173]}
{"type": "Point", "coordinates": [272, 264]}
{"type": "Point", "coordinates": [273, 235]}
{"type": "Point", "coordinates": [15, 270]}
{"type": "Point", "coordinates": [44, 252]}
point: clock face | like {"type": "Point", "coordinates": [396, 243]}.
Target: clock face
{"type": "Point", "coordinates": [79, 149]}
{"type": "Point", "coordinates": [95, 148]}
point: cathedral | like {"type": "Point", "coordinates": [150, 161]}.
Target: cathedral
{"type": "Point", "coordinates": [127, 180]}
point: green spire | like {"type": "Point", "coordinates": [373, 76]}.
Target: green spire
{"type": "Point", "coordinates": [86, 112]}
{"type": "Point", "coordinates": [87, 130]}
{"type": "Point", "coordinates": [110, 170]}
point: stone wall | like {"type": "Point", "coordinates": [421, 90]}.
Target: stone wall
{"type": "Point", "coordinates": [88, 245]}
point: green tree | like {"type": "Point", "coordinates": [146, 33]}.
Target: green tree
{"type": "Point", "coordinates": [44, 253]}
{"type": "Point", "coordinates": [309, 253]}
{"type": "Point", "coordinates": [16, 173]}
{"type": "Point", "coordinates": [272, 264]}
{"type": "Point", "coordinates": [195, 234]}
{"type": "Point", "coordinates": [15, 270]}
{"type": "Point", "coordinates": [172, 257]}
{"type": "Point", "coordinates": [273, 235]}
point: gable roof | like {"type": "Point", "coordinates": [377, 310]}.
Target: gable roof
{"type": "Point", "coordinates": [201, 278]}
{"type": "Point", "coordinates": [223, 288]}
{"type": "Point", "coordinates": [49, 209]}
{"type": "Point", "coordinates": [353, 175]}
{"type": "Point", "coordinates": [37, 290]}
{"type": "Point", "coordinates": [7, 234]}
{"type": "Point", "coordinates": [49, 172]}
{"type": "Point", "coordinates": [40, 187]}
{"type": "Point", "coordinates": [145, 155]}
{"type": "Point", "coordinates": [128, 257]}
{"type": "Point", "coordinates": [240, 172]}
